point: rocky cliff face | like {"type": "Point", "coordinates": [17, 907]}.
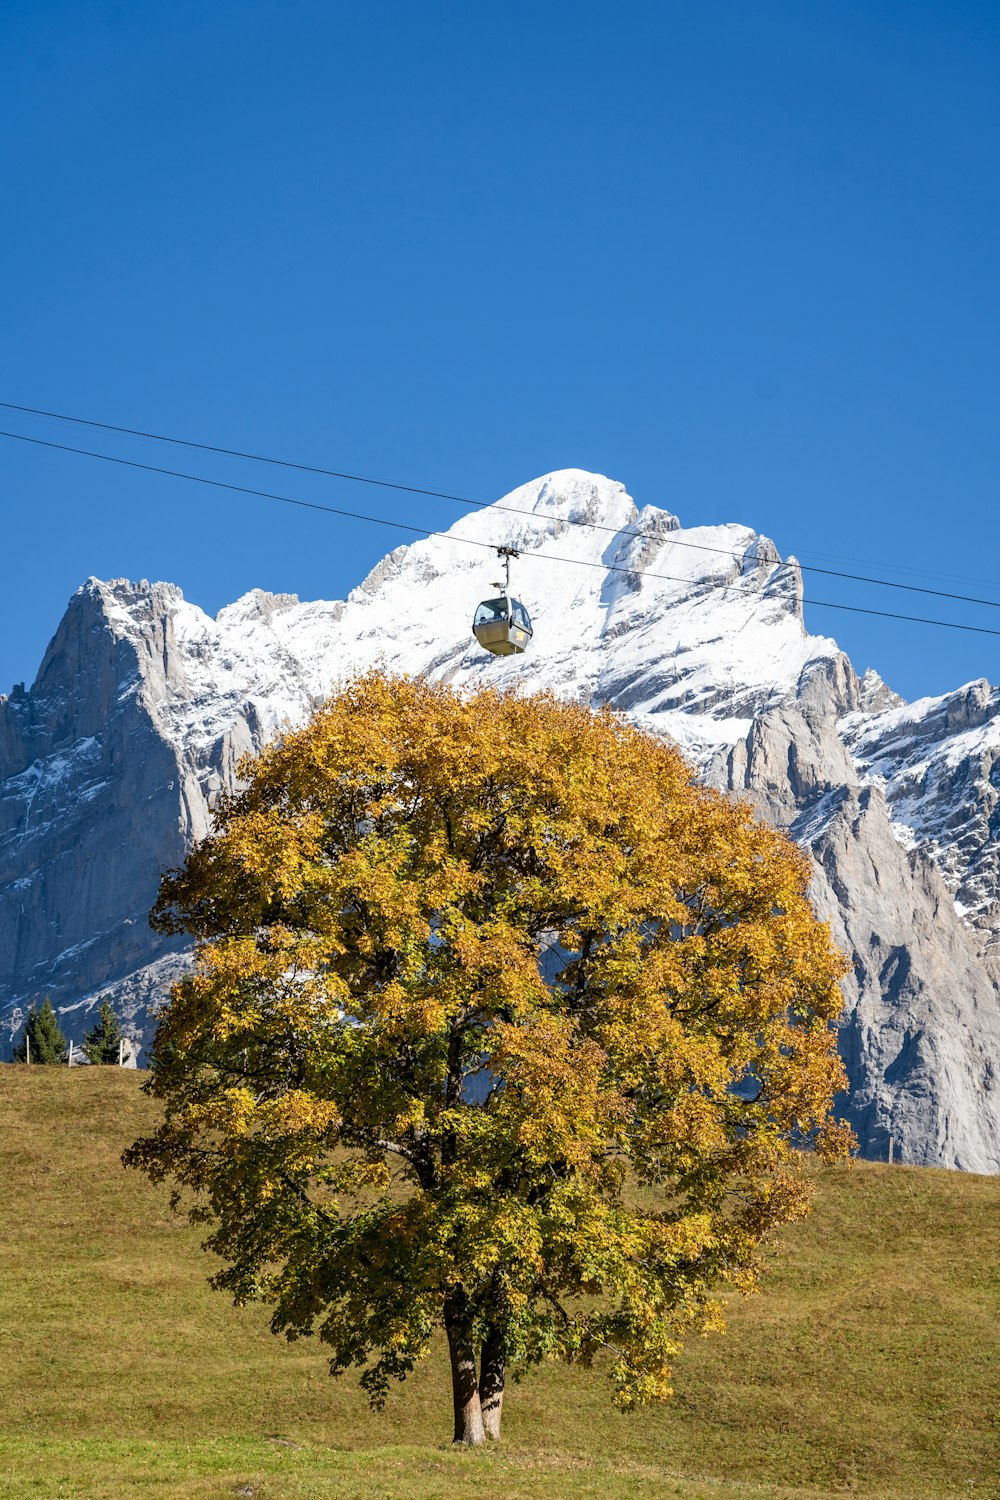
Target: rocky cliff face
{"type": "Point", "coordinates": [144, 705]}
{"type": "Point", "coordinates": [139, 715]}
{"type": "Point", "coordinates": [921, 1028]}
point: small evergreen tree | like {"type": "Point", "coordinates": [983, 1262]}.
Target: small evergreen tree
{"type": "Point", "coordinates": [101, 1043]}
{"type": "Point", "coordinates": [44, 1037]}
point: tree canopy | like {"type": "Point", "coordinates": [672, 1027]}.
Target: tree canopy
{"type": "Point", "coordinates": [499, 1022]}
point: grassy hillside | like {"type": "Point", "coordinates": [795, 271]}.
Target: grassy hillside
{"type": "Point", "coordinates": [870, 1366]}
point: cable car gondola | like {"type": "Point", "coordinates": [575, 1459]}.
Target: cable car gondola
{"type": "Point", "coordinates": [503, 625]}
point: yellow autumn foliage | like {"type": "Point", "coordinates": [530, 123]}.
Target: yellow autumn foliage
{"type": "Point", "coordinates": [499, 1020]}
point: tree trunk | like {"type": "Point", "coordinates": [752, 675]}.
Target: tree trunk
{"type": "Point", "coordinates": [464, 1388]}
{"type": "Point", "coordinates": [491, 1378]}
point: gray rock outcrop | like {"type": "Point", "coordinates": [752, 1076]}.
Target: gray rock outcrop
{"type": "Point", "coordinates": [920, 1033]}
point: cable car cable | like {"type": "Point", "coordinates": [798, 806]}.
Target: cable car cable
{"type": "Point", "coordinates": [257, 458]}
{"type": "Point", "coordinates": [413, 489]}
{"type": "Point", "coordinates": [423, 531]}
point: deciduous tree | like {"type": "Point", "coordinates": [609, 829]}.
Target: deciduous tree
{"type": "Point", "coordinates": [499, 1022]}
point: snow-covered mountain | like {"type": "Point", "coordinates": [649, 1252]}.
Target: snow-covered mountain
{"type": "Point", "coordinates": [143, 706]}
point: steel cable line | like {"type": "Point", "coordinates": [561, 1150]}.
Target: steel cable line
{"type": "Point", "coordinates": [424, 531]}
{"type": "Point", "coordinates": [413, 489]}
{"type": "Point", "coordinates": [257, 458]}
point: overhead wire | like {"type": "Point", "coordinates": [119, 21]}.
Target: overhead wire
{"type": "Point", "coordinates": [413, 489]}
{"type": "Point", "coordinates": [423, 531]}
{"type": "Point", "coordinates": [257, 458]}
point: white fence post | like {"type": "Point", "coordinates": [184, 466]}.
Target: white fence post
{"type": "Point", "coordinates": [27, 1048]}
{"type": "Point", "coordinates": [69, 1060]}
{"type": "Point", "coordinates": [121, 1052]}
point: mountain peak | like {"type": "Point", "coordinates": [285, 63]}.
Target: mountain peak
{"type": "Point", "coordinates": [574, 495]}
{"type": "Point", "coordinates": [256, 605]}
{"type": "Point", "coordinates": [130, 593]}
{"type": "Point", "coordinates": [548, 507]}
{"type": "Point", "coordinates": [145, 706]}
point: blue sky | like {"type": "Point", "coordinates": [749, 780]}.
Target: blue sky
{"type": "Point", "coordinates": [741, 257]}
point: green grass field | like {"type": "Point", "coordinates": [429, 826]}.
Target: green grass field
{"type": "Point", "coordinates": [870, 1366]}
